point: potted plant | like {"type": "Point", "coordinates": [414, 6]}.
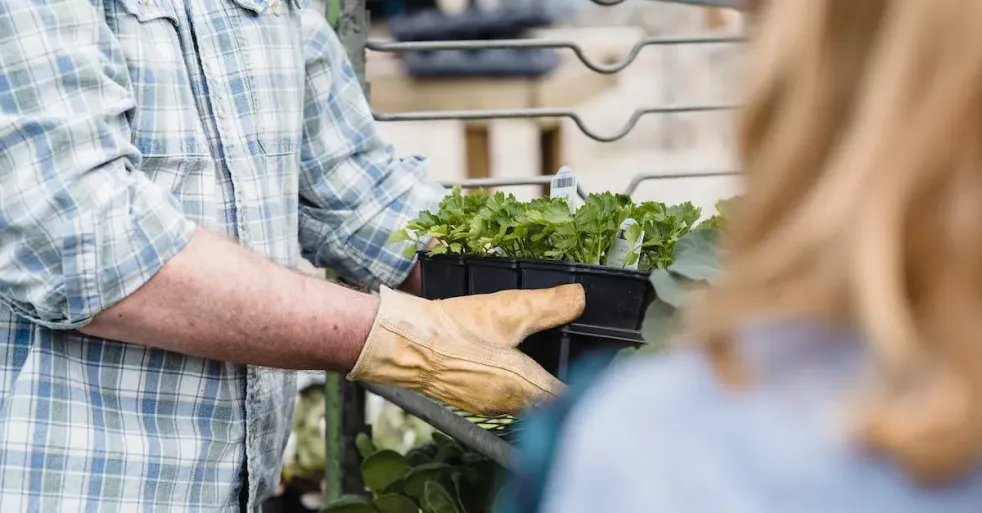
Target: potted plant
{"type": "Point", "coordinates": [609, 244]}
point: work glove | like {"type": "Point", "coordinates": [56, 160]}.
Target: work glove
{"type": "Point", "coordinates": [464, 351]}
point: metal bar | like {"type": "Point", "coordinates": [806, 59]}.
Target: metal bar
{"type": "Point", "coordinates": [643, 177]}
{"type": "Point", "coordinates": [352, 29]}
{"type": "Point", "coordinates": [344, 419]}
{"type": "Point", "coordinates": [726, 4]}
{"type": "Point", "coordinates": [345, 400]}
{"type": "Point", "coordinates": [334, 438]}
{"type": "Point", "coordinates": [438, 416]}
{"type": "Point", "coordinates": [332, 10]}
{"type": "Point", "coordinates": [471, 115]}
{"type": "Point", "coordinates": [606, 69]}
{"type": "Point", "coordinates": [475, 183]}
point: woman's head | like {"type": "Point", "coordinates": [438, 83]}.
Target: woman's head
{"type": "Point", "coordinates": [861, 143]}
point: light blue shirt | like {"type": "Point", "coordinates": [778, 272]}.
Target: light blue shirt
{"type": "Point", "coordinates": [662, 435]}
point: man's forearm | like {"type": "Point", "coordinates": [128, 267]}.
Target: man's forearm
{"type": "Point", "coordinates": [218, 300]}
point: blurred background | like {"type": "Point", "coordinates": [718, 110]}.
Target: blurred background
{"type": "Point", "coordinates": [437, 82]}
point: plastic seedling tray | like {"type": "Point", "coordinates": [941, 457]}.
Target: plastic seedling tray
{"type": "Point", "coordinates": [549, 349]}
{"type": "Point", "coordinates": [488, 275]}
{"type": "Point", "coordinates": [558, 349]}
{"type": "Point", "coordinates": [616, 300]}
{"type": "Point", "coordinates": [443, 276]}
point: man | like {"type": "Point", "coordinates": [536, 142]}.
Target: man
{"type": "Point", "coordinates": [158, 160]}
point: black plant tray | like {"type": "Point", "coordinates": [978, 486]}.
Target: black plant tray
{"type": "Point", "coordinates": [616, 301]}
{"type": "Point", "coordinates": [498, 63]}
{"type": "Point", "coordinates": [443, 276]}
{"type": "Point", "coordinates": [434, 25]}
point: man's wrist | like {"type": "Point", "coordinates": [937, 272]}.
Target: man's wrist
{"type": "Point", "coordinates": [413, 284]}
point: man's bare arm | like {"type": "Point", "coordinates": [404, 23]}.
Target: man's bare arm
{"type": "Point", "coordinates": [218, 300]}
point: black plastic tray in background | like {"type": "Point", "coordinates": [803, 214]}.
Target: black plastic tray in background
{"type": "Point", "coordinates": [529, 62]}
{"type": "Point", "coordinates": [434, 25]}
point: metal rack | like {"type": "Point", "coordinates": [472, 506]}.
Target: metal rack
{"type": "Point", "coordinates": [352, 28]}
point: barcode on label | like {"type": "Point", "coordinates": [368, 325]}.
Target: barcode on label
{"type": "Point", "coordinates": [564, 182]}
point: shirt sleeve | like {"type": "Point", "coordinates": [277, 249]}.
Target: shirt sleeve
{"type": "Point", "coordinates": [354, 190]}
{"type": "Point", "coordinates": [80, 226]}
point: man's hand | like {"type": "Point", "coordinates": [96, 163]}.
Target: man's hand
{"type": "Point", "coordinates": [463, 351]}
{"type": "Point", "coordinates": [414, 282]}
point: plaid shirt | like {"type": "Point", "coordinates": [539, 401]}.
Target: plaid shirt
{"type": "Point", "coordinates": [123, 125]}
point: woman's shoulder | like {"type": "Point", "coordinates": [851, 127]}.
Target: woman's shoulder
{"type": "Point", "coordinates": [662, 433]}
{"type": "Point", "coordinates": [598, 399]}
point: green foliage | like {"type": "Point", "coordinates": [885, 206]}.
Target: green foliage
{"type": "Point", "coordinates": [439, 476]}
{"type": "Point", "coordinates": [395, 503]}
{"type": "Point", "coordinates": [663, 226]}
{"type": "Point", "coordinates": [310, 455]}
{"type": "Point", "coordinates": [382, 468]}
{"type": "Point", "coordinates": [364, 445]}
{"type": "Point", "coordinates": [350, 504]}
{"type": "Point", "coordinates": [723, 209]}
{"type": "Point", "coordinates": [696, 263]}
{"type": "Point", "coordinates": [545, 229]}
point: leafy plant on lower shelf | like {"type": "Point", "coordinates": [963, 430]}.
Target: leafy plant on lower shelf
{"type": "Point", "coordinates": [544, 228]}
{"type": "Point", "coordinates": [437, 477]}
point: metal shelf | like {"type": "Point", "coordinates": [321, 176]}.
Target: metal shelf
{"type": "Point", "coordinates": [484, 441]}
{"type": "Point", "coordinates": [508, 44]}
{"type": "Point", "coordinates": [488, 436]}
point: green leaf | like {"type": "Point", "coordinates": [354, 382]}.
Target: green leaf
{"type": "Point", "coordinates": [441, 440]}
{"type": "Point", "coordinates": [429, 448]}
{"type": "Point", "coordinates": [399, 236]}
{"type": "Point", "coordinates": [364, 445]}
{"type": "Point", "coordinates": [439, 249]}
{"type": "Point", "coordinates": [398, 487]}
{"type": "Point", "coordinates": [697, 256]}
{"type": "Point", "coordinates": [382, 468]}
{"type": "Point", "coordinates": [417, 477]}
{"type": "Point", "coordinates": [416, 457]}
{"type": "Point", "coordinates": [437, 500]}
{"type": "Point", "coordinates": [393, 503]}
{"type": "Point", "coordinates": [668, 287]}
{"type": "Point", "coordinates": [350, 504]}
{"type": "Point", "coordinates": [477, 483]}
{"type": "Point", "coordinates": [659, 326]}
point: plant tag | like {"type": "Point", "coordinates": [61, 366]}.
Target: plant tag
{"type": "Point", "coordinates": [626, 249]}
{"type": "Point", "coordinates": [564, 185]}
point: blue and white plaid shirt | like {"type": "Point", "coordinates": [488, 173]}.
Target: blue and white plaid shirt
{"type": "Point", "coordinates": [124, 124]}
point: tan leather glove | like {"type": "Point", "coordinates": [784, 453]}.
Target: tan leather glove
{"type": "Point", "coordinates": [463, 351]}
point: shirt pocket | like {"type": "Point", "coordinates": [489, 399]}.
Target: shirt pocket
{"type": "Point", "coordinates": [268, 34]}
{"type": "Point", "coordinates": [166, 123]}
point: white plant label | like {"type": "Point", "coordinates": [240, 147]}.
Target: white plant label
{"type": "Point", "coordinates": [622, 247]}
{"type": "Point", "coordinates": [564, 185]}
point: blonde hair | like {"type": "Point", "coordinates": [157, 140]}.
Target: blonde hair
{"type": "Point", "coordinates": [861, 144]}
